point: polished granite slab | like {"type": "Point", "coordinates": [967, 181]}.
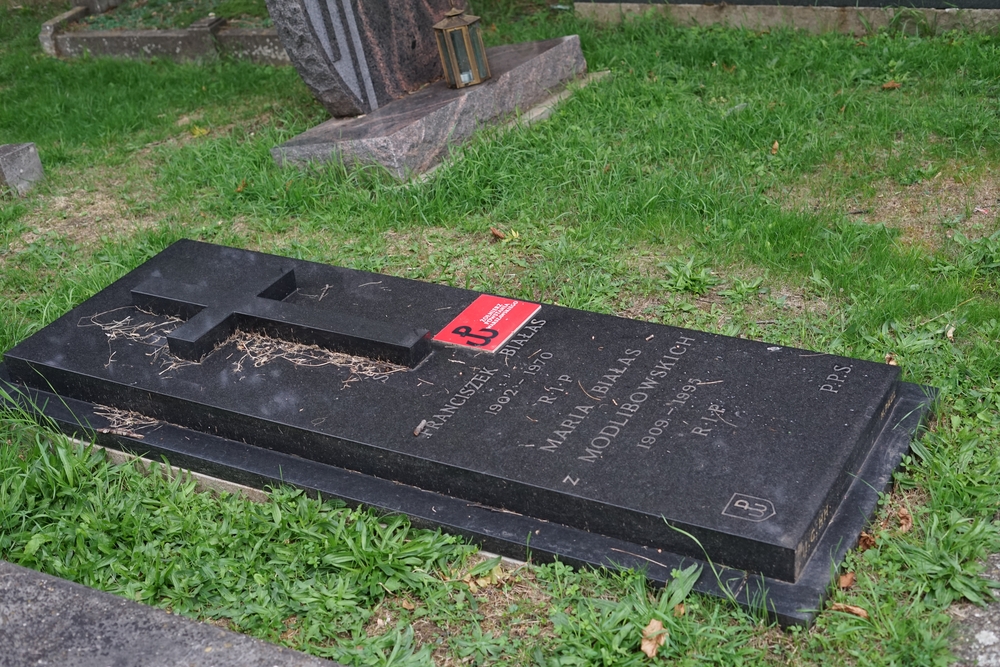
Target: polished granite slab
{"type": "Point", "coordinates": [414, 133]}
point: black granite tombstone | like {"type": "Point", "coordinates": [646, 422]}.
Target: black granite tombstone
{"type": "Point", "coordinates": [591, 438]}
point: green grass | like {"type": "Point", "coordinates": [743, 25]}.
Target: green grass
{"type": "Point", "coordinates": [656, 193]}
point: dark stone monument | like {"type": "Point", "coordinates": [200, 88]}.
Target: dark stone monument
{"type": "Point", "coordinates": [358, 55]}
{"type": "Point", "coordinates": [591, 438]}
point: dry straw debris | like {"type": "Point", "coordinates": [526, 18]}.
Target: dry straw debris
{"type": "Point", "coordinates": [133, 325]}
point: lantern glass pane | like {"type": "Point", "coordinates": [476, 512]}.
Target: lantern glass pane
{"type": "Point", "coordinates": [461, 56]}
{"type": "Point", "coordinates": [477, 49]}
{"type": "Point", "coordinates": [445, 60]}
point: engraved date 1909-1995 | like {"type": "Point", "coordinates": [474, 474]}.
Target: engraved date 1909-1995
{"type": "Point", "coordinates": [678, 401]}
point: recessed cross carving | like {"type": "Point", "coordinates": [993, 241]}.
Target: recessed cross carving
{"type": "Point", "coordinates": [253, 302]}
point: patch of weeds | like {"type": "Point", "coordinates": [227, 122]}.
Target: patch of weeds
{"type": "Point", "coordinates": [913, 22]}
{"type": "Point", "coordinates": [947, 565]}
{"type": "Point", "coordinates": [983, 253]}
{"type": "Point", "coordinates": [740, 291]}
{"type": "Point", "coordinates": [686, 276]}
{"type": "Point", "coordinates": [916, 174]}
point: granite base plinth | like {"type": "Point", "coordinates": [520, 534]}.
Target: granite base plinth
{"type": "Point", "coordinates": [412, 134]}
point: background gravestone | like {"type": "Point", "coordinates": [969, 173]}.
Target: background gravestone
{"type": "Point", "coordinates": [20, 167]}
{"type": "Point", "coordinates": [358, 55]}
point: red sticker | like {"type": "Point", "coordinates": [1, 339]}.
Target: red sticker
{"type": "Point", "coordinates": [488, 323]}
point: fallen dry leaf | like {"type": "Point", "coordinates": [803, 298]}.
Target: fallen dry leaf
{"type": "Point", "coordinates": [843, 108]}
{"type": "Point", "coordinates": [865, 542]}
{"type": "Point", "coordinates": [847, 580]}
{"type": "Point", "coordinates": [905, 520]}
{"type": "Point", "coordinates": [890, 359]}
{"type": "Point", "coordinates": [849, 609]}
{"type": "Point", "coordinates": [653, 637]}
{"type": "Point", "coordinates": [891, 85]}
{"type": "Point", "coordinates": [241, 186]}
{"type": "Point", "coordinates": [774, 148]}
{"type": "Point", "coordinates": [198, 131]}
{"type": "Point", "coordinates": [407, 605]}
{"type": "Point", "coordinates": [497, 234]}
{"type": "Point", "coordinates": [679, 610]}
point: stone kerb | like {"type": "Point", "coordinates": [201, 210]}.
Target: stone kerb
{"type": "Point", "coordinates": [855, 20]}
{"type": "Point", "coordinates": [205, 39]}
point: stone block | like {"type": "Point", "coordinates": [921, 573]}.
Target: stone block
{"type": "Point", "coordinates": [411, 135]}
{"type": "Point", "coordinates": [20, 167]}
{"type": "Point", "coordinates": [51, 27]}
{"type": "Point", "coordinates": [179, 45]}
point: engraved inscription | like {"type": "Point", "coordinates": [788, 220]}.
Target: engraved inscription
{"type": "Point", "coordinates": [614, 373]}
{"type": "Point", "coordinates": [749, 508]}
{"type": "Point", "coordinates": [554, 390]}
{"type": "Point", "coordinates": [716, 414]}
{"type": "Point", "coordinates": [566, 427]}
{"type": "Point", "coordinates": [654, 432]}
{"type": "Point", "coordinates": [526, 333]}
{"type": "Point", "coordinates": [835, 381]}
{"type": "Point", "coordinates": [457, 400]}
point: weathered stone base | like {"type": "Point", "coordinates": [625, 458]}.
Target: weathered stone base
{"type": "Point", "coordinates": [850, 20]}
{"type": "Point", "coordinates": [412, 134]}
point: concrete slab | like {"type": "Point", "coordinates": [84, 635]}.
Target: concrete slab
{"type": "Point", "coordinates": [48, 621]}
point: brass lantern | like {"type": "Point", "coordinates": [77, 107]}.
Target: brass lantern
{"type": "Point", "coordinates": [460, 44]}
